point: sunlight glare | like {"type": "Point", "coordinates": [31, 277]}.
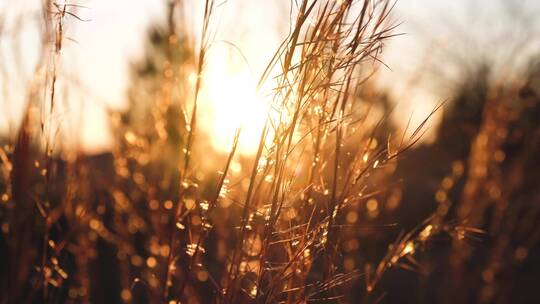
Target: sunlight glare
{"type": "Point", "coordinates": [232, 101]}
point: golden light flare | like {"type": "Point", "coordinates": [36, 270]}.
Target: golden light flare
{"type": "Point", "coordinates": [230, 100]}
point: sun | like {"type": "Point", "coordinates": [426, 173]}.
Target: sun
{"type": "Point", "coordinates": [230, 100]}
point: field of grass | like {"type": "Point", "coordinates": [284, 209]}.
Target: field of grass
{"type": "Point", "coordinates": [335, 204]}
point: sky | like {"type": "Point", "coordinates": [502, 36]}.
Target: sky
{"type": "Point", "coordinates": [99, 50]}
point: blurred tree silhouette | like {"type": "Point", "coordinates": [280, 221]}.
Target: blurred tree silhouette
{"type": "Point", "coordinates": [152, 127]}
{"type": "Point", "coordinates": [159, 86]}
{"type": "Point", "coordinates": [462, 117]}
{"type": "Point", "coordinates": [480, 171]}
{"type": "Point", "coordinates": [157, 90]}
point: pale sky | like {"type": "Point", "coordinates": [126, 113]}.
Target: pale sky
{"type": "Point", "coordinates": [97, 63]}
